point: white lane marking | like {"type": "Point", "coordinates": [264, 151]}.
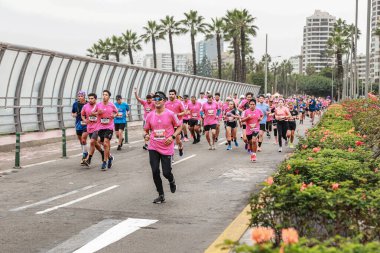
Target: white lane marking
{"type": "Point", "coordinates": [184, 159]}
{"type": "Point", "coordinates": [41, 163]}
{"type": "Point", "coordinates": [114, 234]}
{"type": "Point", "coordinates": [52, 198]}
{"type": "Point", "coordinates": [133, 142]}
{"type": "Point", "coordinates": [78, 200]}
{"type": "Point", "coordinates": [222, 143]}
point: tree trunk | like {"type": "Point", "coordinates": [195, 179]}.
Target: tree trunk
{"type": "Point", "coordinates": [154, 52]}
{"type": "Point", "coordinates": [171, 50]}
{"type": "Point", "coordinates": [243, 64]}
{"type": "Point", "coordinates": [339, 74]}
{"type": "Point", "coordinates": [194, 54]}
{"type": "Point", "coordinates": [130, 55]}
{"type": "Point", "coordinates": [235, 77]}
{"type": "Point", "coordinates": [219, 56]}
{"type": "Point", "coordinates": [117, 55]}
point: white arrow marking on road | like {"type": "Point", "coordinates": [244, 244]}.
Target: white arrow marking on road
{"type": "Point", "coordinates": [78, 200]}
{"type": "Point", "coordinates": [184, 159]}
{"type": "Point", "coordinates": [222, 143]}
{"type": "Point", "coordinates": [52, 198]}
{"type": "Point", "coordinates": [115, 234]}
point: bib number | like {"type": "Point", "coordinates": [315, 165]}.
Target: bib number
{"type": "Point", "coordinates": [210, 112]}
{"type": "Point", "coordinates": [92, 118]}
{"type": "Point", "coordinates": [147, 109]}
{"type": "Point", "coordinates": [159, 134]}
{"type": "Point", "coordinates": [119, 115]}
{"type": "Point", "coordinates": [83, 123]}
{"type": "Point", "coordinates": [195, 115]}
{"type": "Point", "coordinates": [105, 120]}
{"type": "Point", "coordinates": [252, 127]}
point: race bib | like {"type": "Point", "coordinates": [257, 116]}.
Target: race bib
{"type": "Point", "coordinates": [210, 112]}
{"type": "Point", "coordinates": [159, 134]}
{"type": "Point", "coordinates": [105, 120]}
{"type": "Point", "coordinates": [147, 109]}
{"type": "Point", "coordinates": [83, 123]}
{"type": "Point", "coordinates": [119, 115]}
{"type": "Point", "coordinates": [92, 118]}
{"type": "Point", "coordinates": [252, 127]}
{"type": "Point", "coordinates": [230, 118]}
{"type": "Point", "coordinates": [195, 115]}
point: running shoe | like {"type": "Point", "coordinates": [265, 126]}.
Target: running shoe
{"type": "Point", "coordinates": [280, 150]}
{"type": "Point", "coordinates": [195, 141]}
{"type": "Point", "coordinates": [229, 147]}
{"type": "Point", "coordinates": [145, 147]}
{"type": "Point", "coordinates": [175, 146]}
{"type": "Point", "coordinates": [246, 146]}
{"type": "Point", "coordinates": [268, 135]}
{"type": "Point", "coordinates": [104, 166]}
{"type": "Point", "coordinates": [159, 200]}
{"type": "Point", "coordinates": [253, 157]}
{"type": "Point", "coordinates": [110, 160]}
{"type": "Point", "coordinates": [213, 147]}
{"type": "Point", "coordinates": [118, 147]}
{"type": "Point", "coordinates": [185, 139]}
{"type": "Point", "coordinates": [180, 151]}
{"type": "Point", "coordinates": [249, 151]}
{"type": "Point", "coordinates": [210, 147]}
{"type": "Point", "coordinates": [216, 139]}
{"type": "Point", "coordinates": [173, 186]}
{"type": "Point", "coordinates": [226, 143]}
{"type": "Point", "coordinates": [236, 143]}
{"type": "Point", "coordinates": [258, 149]}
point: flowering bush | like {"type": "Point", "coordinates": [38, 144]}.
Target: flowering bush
{"type": "Point", "coordinates": [329, 187]}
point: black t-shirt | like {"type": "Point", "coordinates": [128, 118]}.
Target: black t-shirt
{"type": "Point", "coordinates": [294, 113]}
{"type": "Point", "coordinates": [228, 114]}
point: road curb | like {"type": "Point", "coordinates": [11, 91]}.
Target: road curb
{"type": "Point", "coordinates": [234, 231]}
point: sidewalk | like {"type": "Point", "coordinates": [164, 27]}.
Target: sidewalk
{"type": "Point", "coordinates": [32, 139]}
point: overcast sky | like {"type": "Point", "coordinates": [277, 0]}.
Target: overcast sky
{"type": "Point", "coordinates": [71, 26]}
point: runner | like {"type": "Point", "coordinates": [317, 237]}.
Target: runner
{"type": "Point", "coordinates": [92, 125]}
{"type": "Point", "coordinates": [80, 126]}
{"type": "Point", "coordinates": [194, 109]}
{"type": "Point", "coordinates": [302, 111]}
{"type": "Point", "coordinates": [269, 124]}
{"type": "Point", "coordinates": [292, 123]}
{"type": "Point", "coordinates": [148, 107]}
{"type": "Point", "coordinates": [120, 120]}
{"type": "Point", "coordinates": [252, 117]}
{"type": "Point", "coordinates": [281, 114]}
{"type": "Point", "coordinates": [312, 109]}
{"type": "Point", "coordinates": [202, 99]}
{"type": "Point", "coordinates": [236, 100]}
{"type": "Point", "coordinates": [186, 117]}
{"type": "Point", "coordinates": [106, 111]}
{"type": "Point", "coordinates": [160, 130]}
{"type": "Point", "coordinates": [265, 109]}
{"type": "Point", "coordinates": [244, 105]}
{"type": "Point", "coordinates": [177, 108]}
{"type": "Point", "coordinates": [220, 106]}
{"type": "Point", "coordinates": [210, 111]}
{"type": "Point", "coordinates": [231, 114]}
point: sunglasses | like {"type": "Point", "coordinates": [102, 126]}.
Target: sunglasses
{"type": "Point", "coordinates": [158, 99]}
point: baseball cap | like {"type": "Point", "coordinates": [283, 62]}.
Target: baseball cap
{"type": "Point", "coordinates": [159, 94]}
{"type": "Point", "coordinates": [118, 97]}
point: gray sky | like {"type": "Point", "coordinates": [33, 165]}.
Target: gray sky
{"type": "Point", "coordinates": [71, 26]}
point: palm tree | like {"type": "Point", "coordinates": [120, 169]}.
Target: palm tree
{"type": "Point", "coordinates": [152, 33]}
{"type": "Point", "coordinates": [117, 47]}
{"type": "Point", "coordinates": [171, 27]}
{"type": "Point", "coordinates": [94, 51]}
{"type": "Point", "coordinates": [274, 68]}
{"type": "Point", "coordinates": [232, 32]}
{"type": "Point", "coordinates": [288, 70]}
{"type": "Point", "coordinates": [105, 48]}
{"type": "Point", "coordinates": [132, 44]}
{"type": "Point", "coordinates": [215, 30]}
{"type": "Point", "coordinates": [194, 24]}
{"type": "Point", "coordinates": [338, 45]}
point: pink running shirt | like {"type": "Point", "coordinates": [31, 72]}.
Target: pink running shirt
{"type": "Point", "coordinates": [106, 117]}
{"type": "Point", "coordinates": [210, 112]}
{"type": "Point", "coordinates": [195, 110]}
{"type": "Point", "coordinates": [253, 123]}
{"type": "Point", "coordinates": [147, 107]}
{"type": "Point", "coordinates": [161, 127]}
{"type": "Point", "coordinates": [175, 106]}
{"type": "Point", "coordinates": [186, 107]}
{"type": "Point", "coordinates": [92, 121]}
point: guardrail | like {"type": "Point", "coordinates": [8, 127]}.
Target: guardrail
{"type": "Point", "coordinates": [38, 87]}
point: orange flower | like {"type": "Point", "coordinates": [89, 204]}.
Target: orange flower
{"type": "Point", "coordinates": [310, 184]}
{"type": "Point", "coordinates": [304, 146]}
{"type": "Point", "coordinates": [316, 150]}
{"type": "Point", "coordinates": [310, 158]}
{"type": "Point", "coordinates": [351, 150]}
{"type": "Point", "coordinates": [288, 167]}
{"type": "Point", "coordinates": [262, 234]}
{"type": "Point", "coordinates": [359, 143]}
{"type": "Point", "coordinates": [289, 236]}
{"type": "Point", "coordinates": [303, 187]}
{"type": "Point", "coordinates": [269, 180]}
{"type": "Point", "coordinates": [376, 170]}
{"type": "Point", "coordinates": [335, 186]}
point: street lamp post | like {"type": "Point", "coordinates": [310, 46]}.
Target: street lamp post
{"type": "Point", "coordinates": [355, 86]}
{"type": "Point", "coordinates": [367, 47]}
{"type": "Point", "coordinates": [266, 64]}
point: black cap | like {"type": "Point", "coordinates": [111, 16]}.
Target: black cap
{"type": "Point", "coordinates": [159, 94]}
{"type": "Point", "coordinates": [185, 96]}
{"type": "Point", "coordinates": [118, 97]}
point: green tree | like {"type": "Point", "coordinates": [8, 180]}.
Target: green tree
{"type": "Point", "coordinates": [170, 27]}
{"type": "Point", "coordinates": [274, 68]}
{"type": "Point", "coordinates": [316, 85]}
{"type": "Point", "coordinates": [204, 68]}
{"type": "Point", "coordinates": [95, 51]}
{"type": "Point", "coordinates": [194, 24]}
{"type": "Point", "coordinates": [105, 48]}
{"type": "Point", "coordinates": [215, 30]}
{"type": "Point", "coordinates": [152, 33]}
{"type": "Point", "coordinates": [232, 33]}
{"type": "Point", "coordinates": [132, 44]}
{"type": "Point", "coordinates": [310, 70]}
{"type": "Point", "coordinates": [117, 47]}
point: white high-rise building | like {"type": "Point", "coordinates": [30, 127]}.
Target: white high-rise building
{"type": "Point", "coordinates": [164, 62]}
{"type": "Point", "coordinates": [296, 62]}
{"type": "Point", "coordinates": [317, 31]}
{"type": "Point", "coordinates": [209, 49]}
{"type": "Point", "coordinates": [360, 63]}
{"type": "Point", "coordinates": [375, 43]}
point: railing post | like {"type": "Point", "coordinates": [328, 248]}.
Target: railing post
{"type": "Point", "coordinates": [126, 133]}
{"type": "Point", "coordinates": [18, 147]}
{"type": "Point", "coordinates": [64, 155]}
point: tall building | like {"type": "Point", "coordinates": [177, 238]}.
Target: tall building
{"type": "Point", "coordinates": [209, 49]}
{"type": "Point", "coordinates": [296, 62]}
{"type": "Point", "coordinates": [360, 63]}
{"type": "Point", "coordinates": [164, 62]}
{"type": "Point", "coordinates": [317, 31]}
{"type": "Point", "coordinates": [375, 43]}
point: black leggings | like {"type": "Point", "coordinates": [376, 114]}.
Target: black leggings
{"type": "Point", "coordinates": [282, 127]}
{"type": "Point", "coordinates": [166, 164]}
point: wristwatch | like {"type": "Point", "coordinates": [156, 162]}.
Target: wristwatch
{"type": "Point", "coordinates": [173, 137]}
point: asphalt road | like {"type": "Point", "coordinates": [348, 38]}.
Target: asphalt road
{"type": "Point", "coordinates": [59, 206]}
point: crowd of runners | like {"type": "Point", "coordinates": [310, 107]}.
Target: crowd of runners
{"type": "Point", "coordinates": [170, 121]}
